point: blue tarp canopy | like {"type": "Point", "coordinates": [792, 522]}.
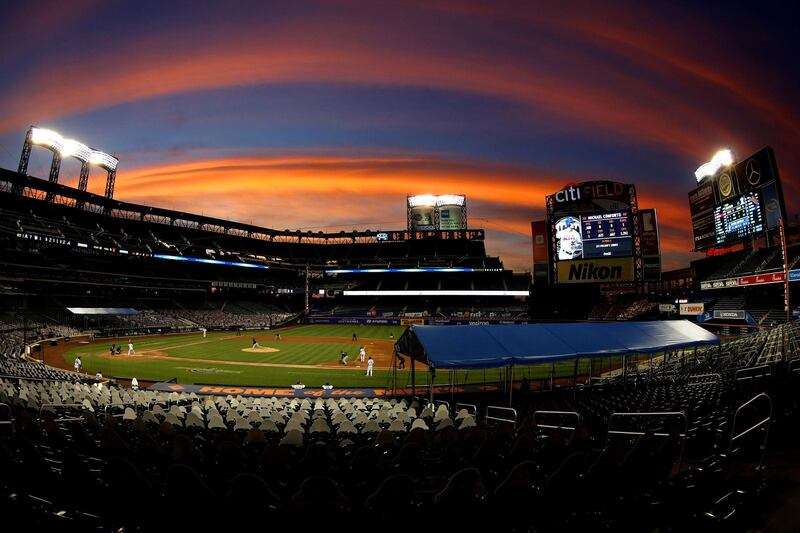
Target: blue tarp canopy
{"type": "Point", "coordinates": [491, 346]}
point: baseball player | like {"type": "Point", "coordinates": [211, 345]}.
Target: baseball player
{"type": "Point", "coordinates": [130, 348]}
{"type": "Point", "coordinates": [362, 354]}
{"type": "Point", "coordinates": [370, 364]}
{"type": "Point", "coordinates": [77, 364]}
{"type": "Point", "coordinates": [570, 244]}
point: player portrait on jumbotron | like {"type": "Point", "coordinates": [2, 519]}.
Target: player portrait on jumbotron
{"type": "Point", "coordinates": [568, 238]}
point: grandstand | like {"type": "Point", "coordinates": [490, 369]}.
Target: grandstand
{"type": "Point", "coordinates": [58, 240]}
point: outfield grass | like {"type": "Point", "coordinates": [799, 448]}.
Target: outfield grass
{"type": "Point", "coordinates": [219, 359]}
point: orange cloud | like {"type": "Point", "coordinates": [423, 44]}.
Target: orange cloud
{"type": "Point", "coordinates": [338, 177]}
{"type": "Point", "coordinates": [331, 193]}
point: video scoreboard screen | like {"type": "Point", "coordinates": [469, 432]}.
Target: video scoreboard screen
{"type": "Point", "coordinates": [593, 235]}
{"type": "Point", "coordinates": [606, 234]}
{"type": "Point", "coordinates": [738, 219]}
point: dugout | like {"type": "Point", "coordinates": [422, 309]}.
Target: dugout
{"type": "Point", "coordinates": [447, 348]}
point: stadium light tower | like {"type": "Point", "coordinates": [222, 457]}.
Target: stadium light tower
{"type": "Point", "coordinates": [722, 158]}
{"type": "Point", "coordinates": [48, 139]}
{"type": "Point", "coordinates": [61, 148]}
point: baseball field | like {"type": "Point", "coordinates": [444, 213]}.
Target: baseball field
{"type": "Point", "coordinates": [310, 354]}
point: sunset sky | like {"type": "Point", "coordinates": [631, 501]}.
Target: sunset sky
{"type": "Point", "coordinates": [325, 115]}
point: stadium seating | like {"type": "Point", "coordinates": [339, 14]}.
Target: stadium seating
{"type": "Point", "coordinates": [105, 457]}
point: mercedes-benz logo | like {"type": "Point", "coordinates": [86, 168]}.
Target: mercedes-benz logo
{"type": "Point", "coordinates": [753, 171]}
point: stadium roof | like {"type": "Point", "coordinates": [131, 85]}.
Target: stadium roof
{"type": "Point", "coordinates": [490, 346]}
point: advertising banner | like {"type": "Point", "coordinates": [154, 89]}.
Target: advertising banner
{"type": "Point", "coordinates": [286, 392]}
{"type": "Point", "coordinates": [651, 249]}
{"type": "Point", "coordinates": [703, 230]}
{"type": "Point", "coordinates": [701, 199]}
{"type": "Point", "coordinates": [353, 320]}
{"type": "Point", "coordinates": [666, 308]}
{"type": "Point", "coordinates": [422, 217]}
{"type": "Point", "coordinates": [450, 217]}
{"type": "Point", "coordinates": [730, 314]}
{"type": "Point", "coordinates": [692, 309]}
{"type": "Point", "coordinates": [650, 245]}
{"type": "Point", "coordinates": [540, 248]}
{"type": "Point", "coordinates": [596, 270]}
{"type": "Point", "coordinates": [759, 279]}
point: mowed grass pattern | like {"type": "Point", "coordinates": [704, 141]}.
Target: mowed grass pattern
{"type": "Point", "coordinates": [220, 349]}
{"type": "Point", "coordinates": [293, 353]}
{"type": "Point", "coordinates": [344, 331]}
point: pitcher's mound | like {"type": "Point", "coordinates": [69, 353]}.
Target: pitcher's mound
{"type": "Point", "coordinates": [263, 349]}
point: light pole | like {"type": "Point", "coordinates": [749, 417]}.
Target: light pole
{"type": "Point", "coordinates": [786, 297]}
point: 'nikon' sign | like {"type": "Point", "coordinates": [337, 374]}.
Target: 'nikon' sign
{"type": "Point", "coordinates": [596, 271]}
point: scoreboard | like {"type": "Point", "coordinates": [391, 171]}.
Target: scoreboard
{"type": "Point", "coordinates": [738, 219]}
{"type": "Point", "coordinates": [606, 234]}
{"type": "Point", "coordinates": [594, 233]}
{"type": "Point", "coordinates": [739, 201]}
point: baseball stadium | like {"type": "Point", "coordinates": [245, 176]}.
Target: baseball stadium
{"type": "Point", "coordinates": [492, 342]}
{"type": "Point", "coordinates": [160, 320]}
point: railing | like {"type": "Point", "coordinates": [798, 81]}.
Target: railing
{"type": "Point", "coordinates": [704, 379]}
{"type": "Point", "coordinates": [679, 415]}
{"type": "Point", "coordinates": [755, 372]}
{"type": "Point", "coordinates": [121, 404]}
{"type": "Point", "coordinates": [437, 403]}
{"type": "Point", "coordinates": [501, 414]}
{"type": "Point", "coordinates": [68, 419]}
{"type": "Point", "coordinates": [560, 415]}
{"type": "Point", "coordinates": [23, 378]}
{"type": "Point", "coordinates": [10, 421]}
{"type": "Point", "coordinates": [471, 408]}
{"type": "Point", "coordinates": [764, 422]}
{"type": "Point", "coordinates": [794, 366]}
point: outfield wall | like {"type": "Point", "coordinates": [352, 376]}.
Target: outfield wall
{"type": "Point", "coordinates": [428, 321]}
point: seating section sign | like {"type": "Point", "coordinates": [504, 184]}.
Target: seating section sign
{"type": "Point", "coordinates": [755, 279]}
